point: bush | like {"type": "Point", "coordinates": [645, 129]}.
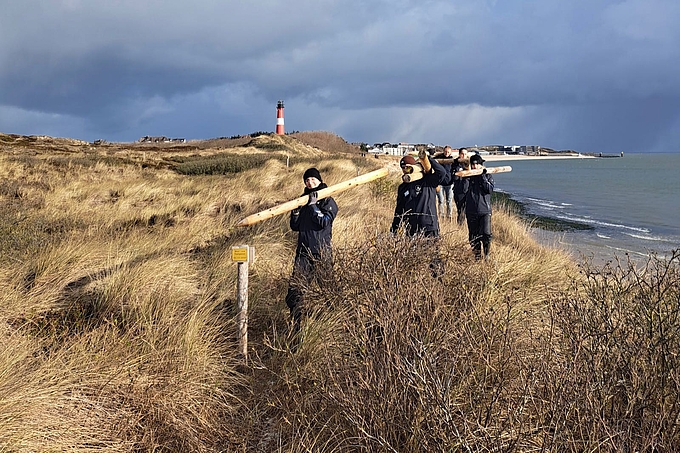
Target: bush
{"type": "Point", "coordinates": [620, 380]}
{"type": "Point", "coordinates": [21, 237]}
{"type": "Point", "coordinates": [222, 164]}
{"type": "Point", "coordinates": [397, 357]}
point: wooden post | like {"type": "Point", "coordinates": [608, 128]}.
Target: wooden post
{"type": "Point", "coordinates": [242, 254]}
{"type": "Point", "coordinates": [301, 201]}
{"type": "Point", "coordinates": [242, 303]}
{"type": "Point", "coordinates": [478, 171]}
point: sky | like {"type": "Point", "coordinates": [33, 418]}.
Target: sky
{"type": "Point", "coordinates": [587, 75]}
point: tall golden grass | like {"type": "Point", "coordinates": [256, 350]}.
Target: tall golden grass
{"type": "Point", "coordinates": [117, 306]}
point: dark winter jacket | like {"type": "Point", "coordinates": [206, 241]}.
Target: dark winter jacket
{"type": "Point", "coordinates": [460, 185]}
{"type": "Point", "coordinates": [314, 224]}
{"type": "Point", "coordinates": [478, 197]}
{"type": "Point", "coordinates": [448, 178]}
{"type": "Point", "coordinates": [417, 203]}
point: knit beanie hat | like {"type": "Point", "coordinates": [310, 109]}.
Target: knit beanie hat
{"type": "Point", "coordinates": [312, 173]}
{"type": "Point", "coordinates": [476, 159]}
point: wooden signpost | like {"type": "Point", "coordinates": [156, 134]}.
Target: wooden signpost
{"type": "Point", "coordinates": [301, 201]}
{"type": "Point", "coordinates": [243, 255]}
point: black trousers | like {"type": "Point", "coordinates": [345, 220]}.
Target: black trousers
{"type": "Point", "coordinates": [479, 233]}
{"type": "Point", "coordinates": [460, 209]}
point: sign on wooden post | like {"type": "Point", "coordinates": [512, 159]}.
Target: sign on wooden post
{"type": "Point", "coordinates": [243, 255]}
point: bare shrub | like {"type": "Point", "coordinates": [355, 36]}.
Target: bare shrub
{"type": "Point", "coordinates": [398, 358]}
{"type": "Point", "coordinates": [619, 386]}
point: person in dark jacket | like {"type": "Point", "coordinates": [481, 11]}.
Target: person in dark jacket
{"type": "Point", "coordinates": [416, 210]}
{"type": "Point", "coordinates": [314, 224]}
{"type": "Point", "coordinates": [478, 208]}
{"type": "Point", "coordinates": [460, 185]}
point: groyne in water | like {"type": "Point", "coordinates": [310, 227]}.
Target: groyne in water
{"type": "Point", "coordinates": [608, 155]}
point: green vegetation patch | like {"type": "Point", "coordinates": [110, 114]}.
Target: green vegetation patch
{"type": "Point", "coordinates": [220, 164]}
{"type": "Point", "coordinates": [69, 161]}
{"type": "Point", "coordinates": [23, 236]}
{"type": "Point", "coordinates": [536, 221]}
{"type": "Point", "coordinates": [384, 187]}
{"type": "Point", "coordinates": [4, 138]}
{"type": "Point", "coordinates": [10, 189]}
{"type": "Point", "coordinates": [270, 146]}
{"type": "Point", "coordinates": [88, 161]}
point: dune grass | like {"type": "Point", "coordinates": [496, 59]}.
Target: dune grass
{"type": "Point", "coordinates": [117, 305]}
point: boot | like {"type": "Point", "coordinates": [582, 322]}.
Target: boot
{"type": "Point", "coordinates": [477, 249]}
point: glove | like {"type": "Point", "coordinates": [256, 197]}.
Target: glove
{"type": "Point", "coordinates": [295, 212]}
{"type": "Point", "coordinates": [424, 161]}
{"type": "Point", "coordinates": [313, 197]}
{"type": "Point", "coordinates": [484, 171]}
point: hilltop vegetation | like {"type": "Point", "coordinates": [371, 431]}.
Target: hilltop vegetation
{"type": "Point", "coordinates": [117, 305]}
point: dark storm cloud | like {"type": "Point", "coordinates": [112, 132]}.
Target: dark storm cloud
{"type": "Point", "coordinates": [94, 80]}
{"type": "Point", "coordinates": [582, 74]}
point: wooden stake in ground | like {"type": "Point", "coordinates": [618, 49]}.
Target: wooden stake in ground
{"type": "Point", "coordinates": [301, 201]}
{"type": "Point", "coordinates": [242, 302]}
{"type": "Point", "coordinates": [478, 171]}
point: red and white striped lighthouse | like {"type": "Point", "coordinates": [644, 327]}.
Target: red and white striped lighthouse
{"type": "Point", "coordinates": [279, 118]}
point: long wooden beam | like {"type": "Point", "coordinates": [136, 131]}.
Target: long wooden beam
{"type": "Point", "coordinates": [478, 171]}
{"type": "Point", "coordinates": [301, 201]}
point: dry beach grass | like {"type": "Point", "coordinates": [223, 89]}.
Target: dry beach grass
{"type": "Point", "coordinates": [117, 304]}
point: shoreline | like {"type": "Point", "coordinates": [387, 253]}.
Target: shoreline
{"type": "Point", "coordinates": [541, 222]}
{"type": "Point", "coordinates": [583, 248]}
{"type": "Point", "coordinates": [505, 157]}
{"type": "Point", "coordinates": [501, 157]}
{"type": "Point", "coordinates": [573, 238]}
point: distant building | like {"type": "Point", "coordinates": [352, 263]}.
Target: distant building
{"type": "Point", "coordinates": [150, 139]}
{"type": "Point", "coordinates": [161, 139]}
{"type": "Point", "coordinates": [395, 150]}
{"type": "Point", "coordinates": [503, 149]}
{"type": "Point", "coordinates": [400, 149]}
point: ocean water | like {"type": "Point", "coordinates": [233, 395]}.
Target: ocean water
{"type": "Point", "coordinates": [632, 202]}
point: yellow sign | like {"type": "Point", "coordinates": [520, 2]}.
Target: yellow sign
{"type": "Point", "coordinates": [239, 254]}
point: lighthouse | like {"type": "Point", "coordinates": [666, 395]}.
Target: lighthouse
{"type": "Point", "coordinates": [279, 118]}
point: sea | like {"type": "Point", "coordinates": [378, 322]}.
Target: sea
{"type": "Point", "coordinates": [631, 202]}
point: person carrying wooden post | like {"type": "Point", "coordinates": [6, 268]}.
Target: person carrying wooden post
{"type": "Point", "coordinates": [416, 209]}
{"type": "Point", "coordinates": [460, 185]}
{"type": "Point", "coordinates": [478, 208]}
{"type": "Point", "coordinates": [445, 193]}
{"type": "Point", "coordinates": [314, 224]}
